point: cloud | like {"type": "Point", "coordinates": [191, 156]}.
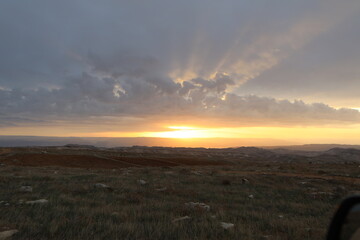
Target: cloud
{"type": "Point", "coordinates": [7, 121]}
{"type": "Point", "coordinates": [156, 59]}
{"type": "Point", "coordinates": [321, 63]}
{"type": "Point", "coordinates": [129, 95]}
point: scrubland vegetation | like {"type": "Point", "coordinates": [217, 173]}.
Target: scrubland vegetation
{"type": "Point", "coordinates": [263, 201]}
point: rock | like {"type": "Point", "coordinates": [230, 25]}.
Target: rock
{"type": "Point", "coordinates": [180, 219]}
{"type": "Point", "coordinates": [101, 185]}
{"type": "Point", "coordinates": [115, 214]}
{"type": "Point", "coordinates": [26, 189]}
{"type": "Point", "coordinates": [169, 173]}
{"type": "Point", "coordinates": [40, 201]}
{"type": "Point", "coordinates": [213, 216]}
{"type": "Point", "coordinates": [281, 216]}
{"type": "Point", "coordinates": [266, 237]}
{"type": "Point", "coordinates": [104, 186]}
{"type": "Point", "coordinates": [6, 234]}
{"type": "Point", "coordinates": [244, 181]}
{"type": "Point", "coordinates": [197, 173]}
{"type": "Point", "coordinates": [198, 205]}
{"type": "Point", "coordinates": [225, 225]}
{"type": "Point", "coordinates": [251, 196]}
{"type": "Point", "coordinates": [142, 182]}
{"type": "Point", "coordinates": [321, 194]}
{"type": "Point", "coordinates": [161, 189]}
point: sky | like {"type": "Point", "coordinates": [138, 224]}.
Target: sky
{"type": "Point", "coordinates": [276, 70]}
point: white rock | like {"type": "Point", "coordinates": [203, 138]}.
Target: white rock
{"type": "Point", "coordinates": [244, 180]}
{"type": "Point", "coordinates": [142, 182]}
{"type": "Point", "coordinates": [281, 216]}
{"type": "Point", "coordinates": [6, 234]}
{"type": "Point", "coordinates": [251, 196]}
{"type": "Point", "coordinates": [181, 219]}
{"type": "Point", "coordinates": [101, 185]}
{"type": "Point", "coordinates": [226, 225]}
{"type": "Point", "coordinates": [161, 189]}
{"type": "Point", "coordinates": [267, 236]}
{"type": "Point", "coordinates": [198, 205]}
{"type": "Point", "coordinates": [26, 189]}
{"type": "Point", "coordinates": [40, 201]}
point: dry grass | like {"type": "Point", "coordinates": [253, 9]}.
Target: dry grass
{"type": "Point", "coordinates": [283, 207]}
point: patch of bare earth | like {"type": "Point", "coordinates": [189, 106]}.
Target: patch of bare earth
{"type": "Point", "coordinates": [98, 161]}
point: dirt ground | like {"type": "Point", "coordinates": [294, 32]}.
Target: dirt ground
{"type": "Point", "coordinates": [264, 200]}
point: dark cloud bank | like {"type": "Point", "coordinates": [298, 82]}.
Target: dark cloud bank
{"type": "Point", "coordinates": [81, 59]}
{"type": "Point", "coordinates": [139, 92]}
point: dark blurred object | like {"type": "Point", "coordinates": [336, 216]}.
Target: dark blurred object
{"type": "Point", "coordinates": [345, 224]}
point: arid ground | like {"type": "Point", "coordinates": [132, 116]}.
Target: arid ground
{"type": "Point", "coordinates": [155, 193]}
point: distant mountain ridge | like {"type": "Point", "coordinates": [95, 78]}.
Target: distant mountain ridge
{"type": "Point", "coordinates": [315, 153]}
{"type": "Point", "coordinates": [19, 141]}
{"type": "Point", "coordinates": [233, 155]}
{"type": "Point", "coordinates": [313, 147]}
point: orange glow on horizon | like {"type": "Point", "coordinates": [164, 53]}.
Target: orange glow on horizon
{"type": "Point", "coordinates": [301, 135]}
{"type": "Point", "coordinates": [180, 132]}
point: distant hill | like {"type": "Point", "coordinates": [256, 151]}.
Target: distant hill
{"type": "Point", "coordinates": [22, 141]}
{"type": "Point", "coordinates": [343, 154]}
{"type": "Point", "coordinates": [312, 147]}
{"type": "Point", "coordinates": [227, 155]}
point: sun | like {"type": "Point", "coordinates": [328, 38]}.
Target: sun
{"type": "Point", "coordinates": [179, 132]}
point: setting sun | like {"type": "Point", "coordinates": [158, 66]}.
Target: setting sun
{"type": "Point", "coordinates": [179, 132]}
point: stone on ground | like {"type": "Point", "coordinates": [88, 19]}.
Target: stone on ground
{"type": "Point", "coordinates": [40, 201]}
{"type": "Point", "coordinates": [26, 189]}
{"type": "Point", "coordinates": [226, 225]}
{"type": "Point", "coordinates": [181, 219]}
{"type": "Point", "coordinates": [6, 234]}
